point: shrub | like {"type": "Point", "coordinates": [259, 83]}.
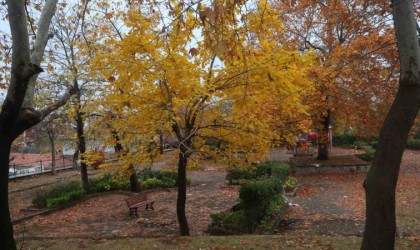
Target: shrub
{"type": "Point", "coordinates": [281, 170]}
{"type": "Point", "coordinates": [368, 155]}
{"type": "Point", "coordinates": [147, 173]}
{"type": "Point", "coordinates": [344, 140]}
{"type": "Point", "coordinates": [256, 196]}
{"type": "Point", "coordinates": [413, 144]}
{"type": "Point", "coordinates": [229, 223]}
{"type": "Point", "coordinates": [260, 199]}
{"type": "Point", "coordinates": [276, 169]}
{"type": "Point", "coordinates": [360, 144]}
{"type": "Point", "coordinates": [73, 195]}
{"type": "Point", "coordinates": [263, 169]}
{"type": "Point", "coordinates": [275, 206]}
{"type": "Point", "coordinates": [239, 174]}
{"type": "Point", "coordinates": [41, 199]}
{"type": "Point", "coordinates": [151, 183]}
{"type": "Point", "coordinates": [168, 175]}
{"type": "Point", "coordinates": [108, 182]}
{"type": "Point", "coordinates": [290, 184]}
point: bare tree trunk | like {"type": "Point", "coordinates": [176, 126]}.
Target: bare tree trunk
{"type": "Point", "coordinates": [182, 191]}
{"type": "Point", "coordinates": [134, 182]}
{"type": "Point", "coordinates": [6, 228]}
{"type": "Point", "coordinates": [161, 143]}
{"type": "Point", "coordinates": [380, 184]}
{"type": "Point", "coordinates": [82, 150]}
{"type": "Point", "coordinates": [323, 152]}
{"type": "Point", "coordinates": [51, 137]}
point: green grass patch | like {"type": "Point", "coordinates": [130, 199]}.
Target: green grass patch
{"type": "Point", "coordinates": [208, 242]}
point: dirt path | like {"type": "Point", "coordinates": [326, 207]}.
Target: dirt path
{"type": "Point", "coordinates": [334, 204]}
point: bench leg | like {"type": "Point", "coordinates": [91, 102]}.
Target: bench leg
{"type": "Point", "coordinates": [133, 211]}
{"type": "Point", "coordinates": [150, 205]}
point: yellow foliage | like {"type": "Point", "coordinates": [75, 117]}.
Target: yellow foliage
{"type": "Point", "coordinates": [236, 85]}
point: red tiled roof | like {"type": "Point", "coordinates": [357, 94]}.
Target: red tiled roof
{"type": "Point", "coordinates": [27, 159]}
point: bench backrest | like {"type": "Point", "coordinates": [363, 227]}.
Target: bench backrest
{"type": "Point", "coordinates": [135, 199]}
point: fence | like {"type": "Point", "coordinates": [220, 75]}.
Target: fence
{"type": "Point", "coordinates": [38, 167]}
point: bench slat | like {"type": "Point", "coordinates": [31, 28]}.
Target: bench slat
{"type": "Point", "coordinates": [134, 202]}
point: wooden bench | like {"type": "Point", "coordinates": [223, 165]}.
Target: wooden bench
{"type": "Point", "coordinates": [136, 201]}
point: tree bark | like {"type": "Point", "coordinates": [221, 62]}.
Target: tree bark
{"type": "Point", "coordinates": [161, 143]}
{"type": "Point", "coordinates": [41, 40]}
{"type": "Point", "coordinates": [6, 228]}
{"type": "Point", "coordinates": [51, 137]}
{"type": "Point", "coordinates": [380, 184]}
{"type": "Point", "coordinates": [14, 119]}
{"type": "Point", "coordinates": [82, 149]}
{"type": "Point", "coordinates": [182, 191]}
{"type": "Point", "coordinates": [323, 151]}
{"type": "Point", "coordinates": [134, 182]}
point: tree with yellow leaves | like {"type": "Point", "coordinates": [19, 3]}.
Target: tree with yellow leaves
{"type": "Point", "coordinates": [214, 72]}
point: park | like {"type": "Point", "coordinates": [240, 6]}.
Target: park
{"type": "Point", "coordinates": [207, 124]}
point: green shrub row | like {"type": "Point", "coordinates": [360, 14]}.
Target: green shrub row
{"type": "Point", "coordinates": [344, 140]}
{"type": "Point", "coordinates": [108, 182]}
{"type": "Point", "coordinates": [55, 195]}
{"type": "Point", "coordinates": [155, 182]}
{"type": "Point", "coordinates": [413, 144]}
{"type": "Point", "coordinates": [352, 141]}
{"type": "Point", "coordinates": [280, 170]}
{"type": "Point", "coordinates": [70, 196]}
{"type": "Point", "coordinates": [59, 194]}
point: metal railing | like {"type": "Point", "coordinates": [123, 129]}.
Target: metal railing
{"type": "Point", "coordinates": [38, 167]}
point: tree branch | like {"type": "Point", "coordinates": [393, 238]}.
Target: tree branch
{"type": "Point", "coordinates": [58, 104]}
{"type": "Point", "coordinates": [38, 50]}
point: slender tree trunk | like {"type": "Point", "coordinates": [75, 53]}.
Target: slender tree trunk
{"type": "Point", "coordinates": [51, 137]}
{"type": "Point", "coordinates": [161, 143]}
{"type": "Point", "coordinates": [182, 191]}
{"type": "Point", "coordinates": [380, 184]}
{"type": "Point", "coordinates": [6, 228]}
{"type": "Point", "coordinates": [323, 151]}
{"type": "Point", "coordinates": [75, 158]}
{"type": "Point", "coordinates": [82, 150]}
{"type": "Point", "coordinates": [134, 182]}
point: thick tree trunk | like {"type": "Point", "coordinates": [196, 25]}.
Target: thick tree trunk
{"type": "Point", "coordinates": [134, 182]}
{"type": "Point", "coordinates": [6, 228]}
{"type": "Point", "coordinates": [382, 179]}
{"type": "Point", "coordinates": [82, 150]}
{"type": "Point", "coordinates": [182, 191]}
{"type": "Point", "coordinates": [380, 184]}
{"type": "Point", "coordinates": [323, 151]}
